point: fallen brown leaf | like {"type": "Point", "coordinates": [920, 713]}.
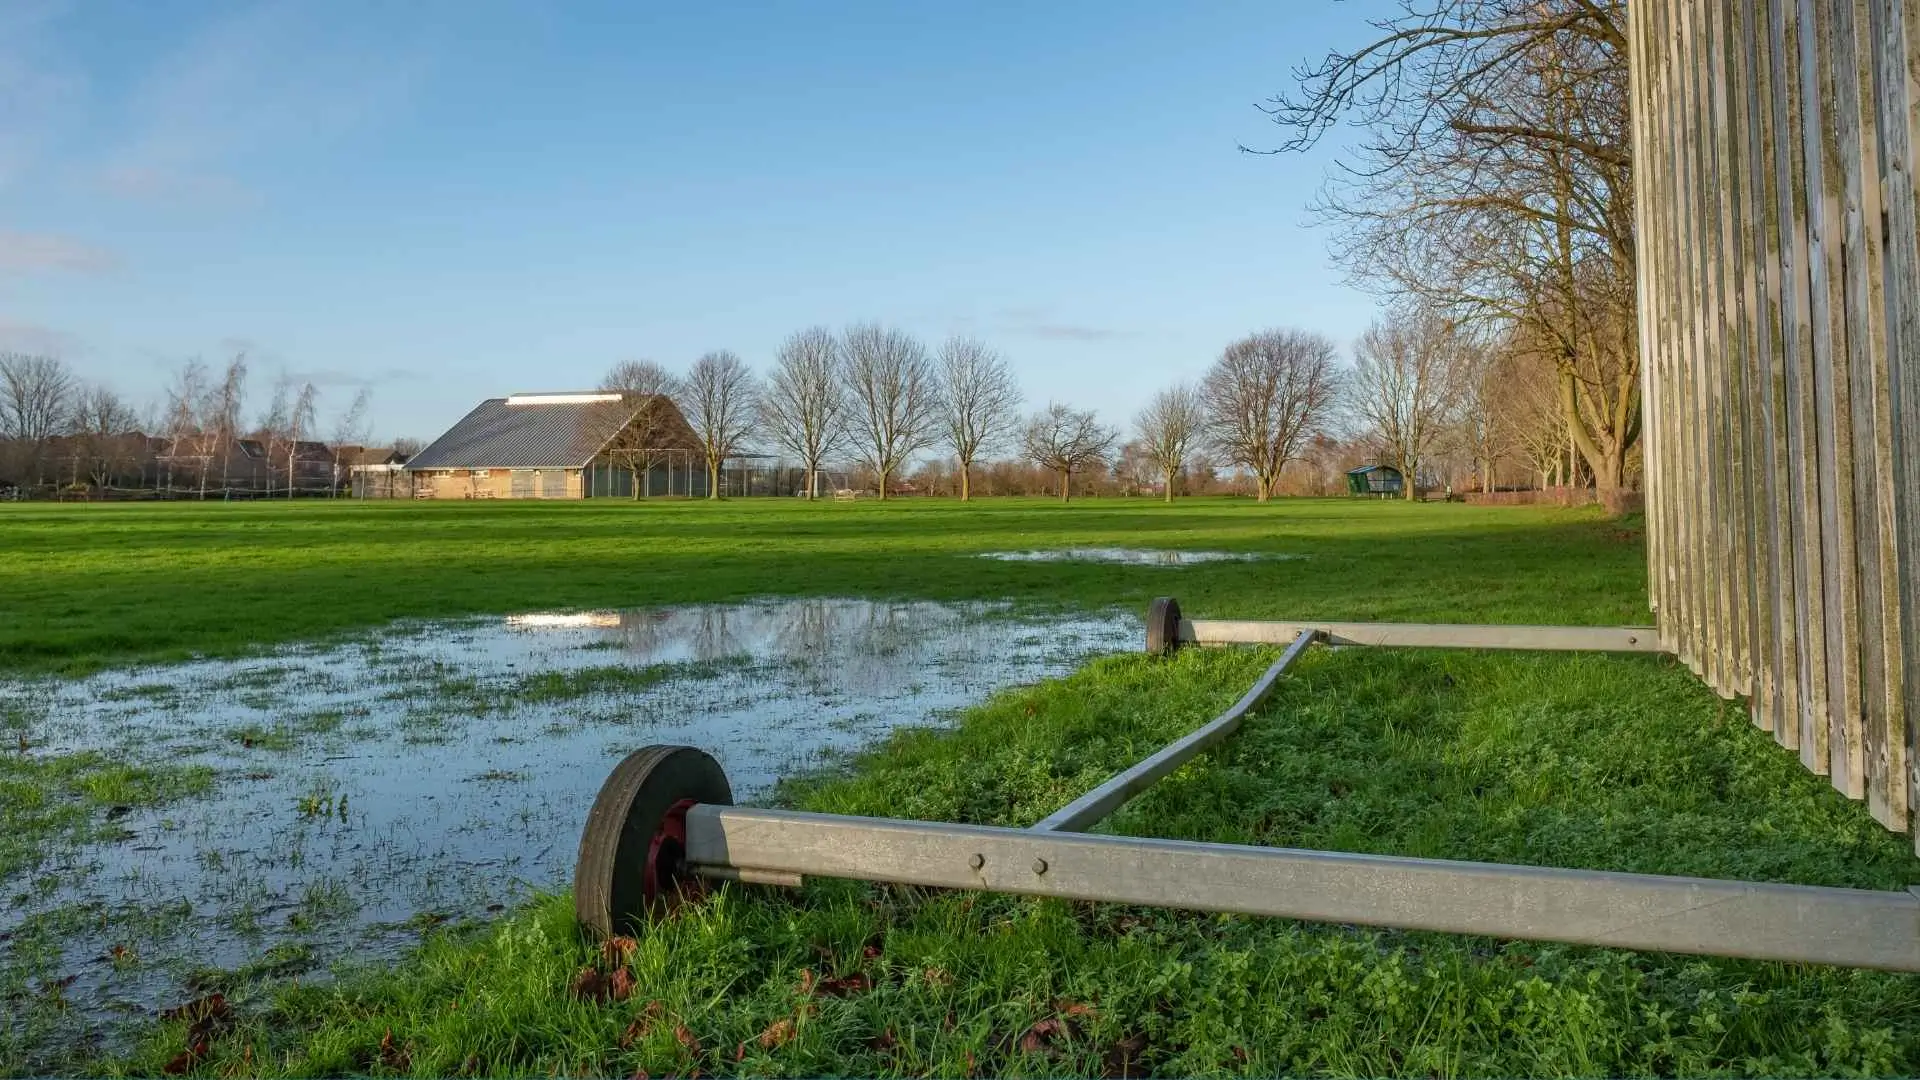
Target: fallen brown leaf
{"type": "Point", "coordinates": [615, 950]}
{"type": "Point", "coordinates": [779, 1033]}
{"type": "Point", "coordinates": [590, 985]}
{"type": "Point", "coordinates": [620, 984]}
{"type": "Point", "coordinates": [1040, 1037]}
{"type": "Point", "coordinates": [393, 1055]}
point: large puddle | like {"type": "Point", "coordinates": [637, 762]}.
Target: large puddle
{"type": "Point", "coordinates": [440, 771]}
{"type": "Point", "coordinates": [1125, 556]}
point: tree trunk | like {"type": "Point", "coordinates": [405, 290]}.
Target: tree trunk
{"type": "Point", "coordinates": [1408, 470]}
{"type": "Point", "coordinates": [883, 484]}
{"type": "Point", "coordinates": [1169, 475]}
{"type": "Point", "coordinates": [713, 479]}
{"type": "Point", "coordinates": [1066, 492]}
{"type": "Point", "coordinates": [966, 482]}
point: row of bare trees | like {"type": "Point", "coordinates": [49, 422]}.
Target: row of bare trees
{"type": "Point", "coordinates": [1492, 187]}
{"type": "Point", "coordinates": [1258, 404]}
{"type": "Point", "coordinates": [57, 428]}
{"type": "Point", "coordinates": [871, 391]}
{"type": "Point", "coordinates": [41, 401]}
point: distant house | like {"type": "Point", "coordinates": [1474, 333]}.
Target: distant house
{"type": "Point", "coordinates": [562, 446]}
{"type": "Point", "coordinates": [375, 472]}
{"type": "Point", "coordinates": [1381, 480]}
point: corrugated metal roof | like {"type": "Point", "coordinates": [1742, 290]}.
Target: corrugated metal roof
{"type": "Point", "coordinates": [547, 435]}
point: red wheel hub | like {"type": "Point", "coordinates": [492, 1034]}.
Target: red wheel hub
{"type": "Point", "coordinates": [666, 857]}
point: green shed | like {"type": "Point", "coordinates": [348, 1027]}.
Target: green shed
{"type": "Point", "coordinates": [1382, 480]}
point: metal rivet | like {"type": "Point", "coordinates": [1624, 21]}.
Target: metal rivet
{"type": "Point", "coordinates": [1039, 866]}
{"type": "Point", "coordinates": [977, 861]}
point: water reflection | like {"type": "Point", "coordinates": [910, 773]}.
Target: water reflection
{"type": "Point", "coordinates": [1135, 556]}
{"type": "Point", "coordinates": [437, 769]}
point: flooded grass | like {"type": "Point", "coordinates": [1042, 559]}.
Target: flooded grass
{"type": "Point", "coordinates": [95, 586]}
{"type": "Point", "coordinates": [330, 802]}
{"type": "Point", "coordinates": [1603, 762]}
{"type": "Point", "coordinates": [1121, 556]}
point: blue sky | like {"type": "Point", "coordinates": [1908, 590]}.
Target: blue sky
{"type": "Point", "coordinates": [450, 201]}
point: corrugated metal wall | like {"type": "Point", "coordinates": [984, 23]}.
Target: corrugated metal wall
{"type": "Point", "coordinates": [1779, 280]}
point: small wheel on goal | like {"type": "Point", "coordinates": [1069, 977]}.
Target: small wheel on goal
{"type": "Point", "coordinates": [1163, 626]}
{"type": "Point", "coordinates": [633, 850]}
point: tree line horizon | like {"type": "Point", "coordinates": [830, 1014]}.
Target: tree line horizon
{"type": "Point", "coordinates": [880, 399]}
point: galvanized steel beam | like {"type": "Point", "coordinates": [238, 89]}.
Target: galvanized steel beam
{"type": "Point", "coordinates": [1854, 927]}
{"type": "Point", "coordinates": [1630, 639]}
{"type": "Point", "coordinates": [1090, 809]}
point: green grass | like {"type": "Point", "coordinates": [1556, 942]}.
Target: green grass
{"type": "Point", "coordinates": [51, 802]}
{"type": "Point", "coordinates": [95, 586]}
{"type": "Point", "coordinates": [1620, 763]}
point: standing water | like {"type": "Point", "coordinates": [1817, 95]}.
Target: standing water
{"type": "Point", "coordinates": [364, 791]}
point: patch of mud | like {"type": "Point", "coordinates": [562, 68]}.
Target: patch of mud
{"type": "Point", "coordinates": [1135, 556]}
{"type": "Point", "coordinates": [440, 771]}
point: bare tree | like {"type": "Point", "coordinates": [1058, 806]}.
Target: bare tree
{"type": "Point", "coordinates": [1065, 441]}
{"type": "Point", "coordinates": [36, 400]}
{"type": "Point", "coordinates": [981, 402]}
{"type": "Point", "coordinates": [1408, 377]}
{"type": "Point", "coordinates": [641, 427]}
{"type": "Point", "coordinates": [1495, 179]}
{"type": "Point", "coordinates": [805, 409]}
{"type": "Point", "coordinates": [1167, 429]}
{"type": "Point", "coordinates": [105, 430]}
{"type": "Point", "coordinates": [350, 434]}
{"type": "Point", "coordinates": [1266, 395]}
{"type": "Point", "coordinates": [186, 440]}
{"type": "Point", "coordinates": [36, 396]}
{"type": "Point", "coordinates": [405, 447]}
{"type": "Point", "coordinates": [271, 430]}
{"type": "Point", "coordinates": [303, 422]}
{"type": "Point", "coordinates": [719, 398]}
{"type": "Point", "coordinates": [893, 397]}
{"type": "Point", "coordinates": [220, 416]}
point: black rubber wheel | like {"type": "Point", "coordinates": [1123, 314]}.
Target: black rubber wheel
{"type": "Point", "coordinates": [1163, 626]}
{"type": "Point", "coordinates": [632, 852]}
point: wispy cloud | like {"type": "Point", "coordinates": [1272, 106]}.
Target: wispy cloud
{"type": "Point", "coordinates": [20, 336]}
{"type": "Point", "coordinates": [33, 253]}
{"type": "Point", "coordinates": [259, 81]}
{"type": "Point", "coordinates": [1036, 322]}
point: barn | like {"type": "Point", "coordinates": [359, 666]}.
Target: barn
{"type": "Point", "coordinates": [571, 445]}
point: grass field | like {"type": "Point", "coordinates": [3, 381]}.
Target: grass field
{"type": "Point", "coordinates": [1583, 761]}
{"type": "Point", "coordinates": [89, 586]}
